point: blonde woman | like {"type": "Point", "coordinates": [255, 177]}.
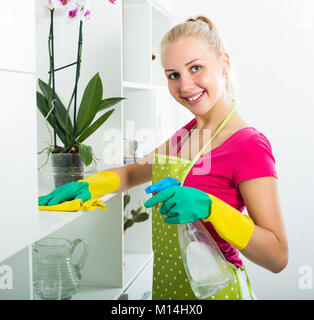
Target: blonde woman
{"type": "Point", "coordinates": [223, 164]}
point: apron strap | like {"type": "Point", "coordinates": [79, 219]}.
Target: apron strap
{"type": "Point", "coordinates": [248, 283]}
{"type": "Point", "coordinates": [182, 139]}
{"type": "Point", "coordinates": [221, 126]}
{"type": "Point", "coordinates": [224, 122]}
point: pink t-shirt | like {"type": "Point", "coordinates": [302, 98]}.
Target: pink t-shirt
{"type": "Point", "coordinates": [247, 154]}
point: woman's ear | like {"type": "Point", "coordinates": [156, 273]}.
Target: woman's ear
{"type": "Point", "coordinates": [225, 61]}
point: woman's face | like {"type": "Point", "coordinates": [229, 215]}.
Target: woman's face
{"type": "Point", "coordinates": [196, 75]}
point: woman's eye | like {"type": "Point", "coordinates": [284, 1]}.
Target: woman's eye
{"type": "Point", "coordinates": [173, 76]}
{"type": "Point", "coordinates": [196, 68]}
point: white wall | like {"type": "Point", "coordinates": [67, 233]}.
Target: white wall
{"type": "Point", "coordinates": [271, 47]}
{"type": "Point", "coordinates": [18, 190]}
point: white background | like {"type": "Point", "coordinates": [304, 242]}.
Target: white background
{"type": "Point", "coordinates": [271, 44]}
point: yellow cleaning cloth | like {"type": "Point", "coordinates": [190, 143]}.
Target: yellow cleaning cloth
{"type": "Point", "coordinates": [76, 205]}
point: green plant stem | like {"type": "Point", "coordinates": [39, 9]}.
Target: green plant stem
{"type": "Point", "coordinates": [78, 67]}
{"type": "Point", "coordinates": [52, 76]}
{"type": "Point", "coordinates": [68, 65]}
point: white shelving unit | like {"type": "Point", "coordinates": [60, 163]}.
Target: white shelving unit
{"type": "Point", "coordinates": [119, 266]}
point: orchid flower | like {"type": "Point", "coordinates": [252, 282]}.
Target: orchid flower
{"type": "Point", "coordinates": [57, 4]}
{"type": "Point", "coordinates": [79, 9]}
{"type": "Point", "coordinates": [113, 1]}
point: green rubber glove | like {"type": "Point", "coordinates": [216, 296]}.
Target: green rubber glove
{"type": "Point", "coordinates": [92, 187]}
{"type": "Point", "coordinates": [69, 191]}
{"type": "Point", "coordinates": [181, 204]}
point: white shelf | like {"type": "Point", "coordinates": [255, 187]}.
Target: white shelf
{"type": "Point", "coordinates": [141, 86]}
{"type": "Point", "coordinates": [134, 263]}
{"type": "Point", "coordinates": [136, 85]}
{"type": "Point", "coordinates": [50, 221]}
{"type": "Point", "coordinates": [97, 293]}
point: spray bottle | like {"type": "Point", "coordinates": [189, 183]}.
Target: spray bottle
{"type": "Point", "coordinates": [206, 268]}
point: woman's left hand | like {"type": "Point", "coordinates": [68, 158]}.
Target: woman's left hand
{"type": "Point", "coordinates": [182, 204]}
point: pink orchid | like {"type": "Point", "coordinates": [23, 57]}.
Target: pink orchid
{"type": "Point", "coordinates": [73, 13]}
{"type": "Point", "coordinates": [56, 4]}
{"type": "Point", "coordinates": [79, 9]}
{"type": "Point", "coordinates": [75, 8]}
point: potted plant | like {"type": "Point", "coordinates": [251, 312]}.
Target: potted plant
{"type": "Point", "coordinates": [137, 215]}
{"type": "Point", "coordinates": [69, 159]}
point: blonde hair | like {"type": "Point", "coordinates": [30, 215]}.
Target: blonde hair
{"type": "Point", "coordinates": [203, 27]}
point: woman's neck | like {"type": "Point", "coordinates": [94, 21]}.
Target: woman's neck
{"type": "Point", "coordinates": [213, 118]}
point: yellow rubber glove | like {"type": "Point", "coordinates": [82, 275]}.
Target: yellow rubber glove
{"type": "Point", "coordinates": [102, 183]}
{"type": "Point", "coordinates": [230, 224]}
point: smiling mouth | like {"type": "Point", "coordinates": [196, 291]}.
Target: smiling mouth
{"type": "Point", "coordinates": [196, 98]}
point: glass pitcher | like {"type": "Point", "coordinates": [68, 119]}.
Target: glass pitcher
{"type": "Point", "coordinates": [53, 266]}
{"type": "Point", "coordinates": [207, 270]}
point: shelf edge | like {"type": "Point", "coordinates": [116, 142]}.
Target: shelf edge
{"type": "Point", "coordinates": [139, 269]}
{"type": "Point", "coordinates": [58, 219]}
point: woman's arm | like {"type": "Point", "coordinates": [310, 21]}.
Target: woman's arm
{"type": "Point", "coordinates": [268, 245]}
{"type": "Point", "coordinates": [140, 171]}
{"type": "Point", "coordinates": [134, 174]}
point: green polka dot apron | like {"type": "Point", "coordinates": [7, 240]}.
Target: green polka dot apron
{"type": "Point", "coordinates": [170, 281]}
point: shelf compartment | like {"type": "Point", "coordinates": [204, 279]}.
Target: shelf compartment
{"type": "Point", "coordinates": [134, 264]}
{"type": "Point", "coordinates": [103, 233]}
{"type": "Point", "coordinates": [137, 49]}
{"type": "Point", "coordinates": [139, 120]}
{"type": "Point", "coordinates": [161, 24]}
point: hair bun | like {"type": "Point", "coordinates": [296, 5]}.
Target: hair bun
{"type": "Point", "coordinates": [204, 19]}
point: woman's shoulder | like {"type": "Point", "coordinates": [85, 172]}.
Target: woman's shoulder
{"type": "Point", "coordinates": [253, 156]}
{"type": "Point", "coordinates": [242, 140]}
{"type": "Point", "coordinates": [250, 145]}
{"type": "Point", "coordinates": [251, 135]}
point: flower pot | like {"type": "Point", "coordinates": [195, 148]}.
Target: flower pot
{"type": "Point", "coordinates": [66, 167]}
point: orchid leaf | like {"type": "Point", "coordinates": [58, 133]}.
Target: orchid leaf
{"type": "Point", "coordinates": [89, 104]}
{"type": "Point", "coordinates": [94, 126]}
{"type": "Point", "coordinates": [86, 153]}
{"type": "Point", "coordinates": [106, 103]}
{"type": "Point", "coordinates": [62, 115]}
{"type": "Point", "coordinates": [42, 105]}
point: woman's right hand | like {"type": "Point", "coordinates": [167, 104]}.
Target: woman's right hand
{"type": "Point", "coordinates": [69, 191]}
{"type": "Point", "coordinates": [93, 187]}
